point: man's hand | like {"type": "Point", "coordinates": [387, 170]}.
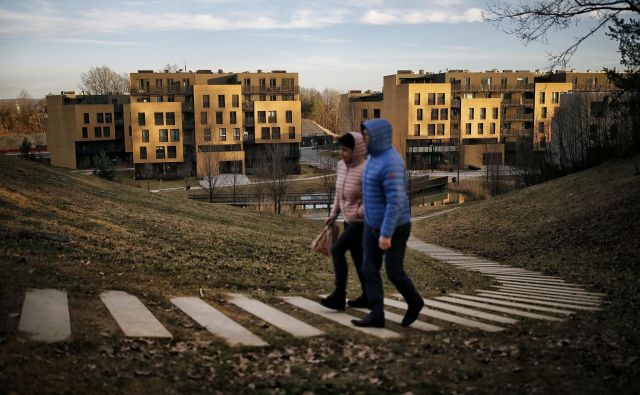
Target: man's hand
{"type": "Point", "coordinates": [384, 243]}
{"type": "Point", "coordinates": [329, 221]}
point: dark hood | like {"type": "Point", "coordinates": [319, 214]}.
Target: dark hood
{"type": "Point", "coordinates": [380, 139]}
{"type": "Point", "coordinates": [359, 151]}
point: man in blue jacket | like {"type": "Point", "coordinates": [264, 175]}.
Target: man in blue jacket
{"type": "Point", "coordinates": [386, 224]}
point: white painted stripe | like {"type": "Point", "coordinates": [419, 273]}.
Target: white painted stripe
{"type": "Point", "coordinates": [446, 317]}
{"type": "Point", "coordinates": [469, 312]}
{"type": "Point", "coordinates": [559, 290]}
{"type": "Point", "coordinates": [525, 277]}
{"type": "Point", "coordinates": [546, 292]}
{"type": "Point", "coordinates": [132, 316]}
{"type": "Point", "coordinates": [397, 318]}
{"type": "Point", "coordinates": [540, 302]}
{"type": "Point", "coordinates": [539, 282]}
{"type": "Point", "coordinates": [546, 298]}
{"type": "Point", "coordinates": [551, 297]}
{"type": "Point", "coordinates": [513, 304]}
{"type": "Point", "coordinates": [274, 317]}
{"type": "Point", "coordinates": [341, 318]}
{"type": "Point", "coordinates": [499, 308]}
{"type": "Point", "coordinates": [217, 323]}
{"type": "Point", "coordinates": [45, 315]}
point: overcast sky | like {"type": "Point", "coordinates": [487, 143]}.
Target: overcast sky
{"type": "Point", "coordinates": [340, 44]}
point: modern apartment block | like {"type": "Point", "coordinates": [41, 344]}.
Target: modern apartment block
{"type": "Point", "coordinates": [488, 117]}
{"type": "Point", "coordinates": [172, 123]}
{"type": "Point", "coordinates": [357, 106]}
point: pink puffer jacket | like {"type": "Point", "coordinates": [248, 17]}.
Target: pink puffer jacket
{"type": "Point", "coordinates": [348, 199]}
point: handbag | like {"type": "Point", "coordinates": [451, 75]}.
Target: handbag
{"type": "Point", "coordinates": [324, 241]}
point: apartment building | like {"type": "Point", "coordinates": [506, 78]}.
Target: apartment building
{"type": "Point", "coordinates": [79, 127]}
{"type": "Point", "coordinates": [488, 117]}
{"type": "Point", "coordinates": [357, 106]}
{"type": "Point", "coordinates": [173, 123]}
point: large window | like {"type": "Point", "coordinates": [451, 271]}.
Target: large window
{"type": "Point", "coordinates": [235, 101]}
{"type": "Point", "coordinates": [416, 129]}
{"type": "Point", "coordinates": [441, 98]}
{"type": "Point", "coordinates": [273, 117]}
{"type": "Point", "coordinates": [431, 129]}
{"type": "Point", "coordinates": [207, 134]}
{"type": "Point", "coordinates": [262, 117]}
{"type": "Point", "coordinates": [481, 128]}
{"type": "Point", "coordinates": [275, 133]}
{"type": "Point", "coordinates": [236, 134]}
{"type": "Point", "coordinates": [467, 128]}
{"type": "Point", "coordinates": [86, 118]}
{"type": "Point", "coordinates": [419, 114]}
{"type": "Point", "coordinates": [431, 99]}
{"type": "Point", "coordinates": [376, 113]}
{"type": "Point", "coordinates": [483, 113]}
{"type": "Point", "coordinates": [416, 99]}
{"type": "Point", "coordinates": [100, 117]}
{"type": "Point", "coordinates": [219, 117]}
{"type": "Point", "coordinates": [163, 135]}
{"type": "Point", "coordinates": [160, 153]}
{"type": "Point", "coordinates": [106, 131]}
{"type": "Point", "coordinates": [221, 101]}
{"type": "Point", "coordinates": [85, 132]}
{"type": "Point", "coordinates": [292, 132]}
{"type": "Point", "coordinates": [158, 118]}
{"type": "Point", "coordinates": [145, 135]}
{"type": "Point", "coordinates": [265, 133]}
{"type": "Point", "coordinates": [171, 118]}
{"type": "Point", "coordinates": [175, 135]}
{"type": "Point", "coordinates": [205, 101]}
{"type": "Point", "coordinates": [233, 119]}
{"type": "Point", "coordinates": [444, 114]}
{"type": "Point", "coordinates": [555, 97]}
{"type": "Point", "coordinates": [143, 152]}
{"type": "Point", "coordinates": [203, 118]}
{"type": "Point", "coordinates": [141, 120]}
{"type": "Point", "coordinates": [97, 131]}
{"type": "Point", "coordinates": [542, 97]}
{"type": "Point", "coordinates": [441, 129]}
{"type": "Point", "coordinates": [289, 116]}
{"type": "Point", "coordinates": [471, 113]}
{"type": "Point", "coordinates": [107, 117]}
{"type": "Point", "coordinates": [223, 134]}
{"type": "Point", "coordinates": [171, 151]}
{"type": "Point", "coordinates": [434, 114]}
{"type": "Point", "coordinates": [495, 113]}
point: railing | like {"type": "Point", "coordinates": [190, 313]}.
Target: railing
{"type": "Point", "coordinates": [489, 88]}
{"type": "Point", "coordinates": [161, 90]}
{"type": "Point", "coordinates": [269, 90]}
{"type": "Point", "coordinates": [518, 102]}
{"type": "Point", "coordinates": [518, 117]}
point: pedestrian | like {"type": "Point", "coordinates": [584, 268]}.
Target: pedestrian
{"type": "Point", "coordinates": [387, 224]}
{"type": "Point", "coordinates": [348, 201]}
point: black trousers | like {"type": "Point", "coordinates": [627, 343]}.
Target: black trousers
{"type": "Point", "coordinates": [393, 259]}
{"type": "Point", "coordinates": [349, 240]}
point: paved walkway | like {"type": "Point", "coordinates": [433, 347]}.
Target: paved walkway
{"type": "Point", "coordinates": [516, 294]}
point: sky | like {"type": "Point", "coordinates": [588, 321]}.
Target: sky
{"type": "Point", "coordinates": [339, 44]}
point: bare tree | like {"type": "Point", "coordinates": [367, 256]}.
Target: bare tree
{"type": "Point", "coordinates": [148, 172]}
{"type": "Point", "coordinates": [102, 80]}
{"type": "Point", "coordinates": [236, 171]}
{"type": "Point", "coordinates": [349, 114]}
{"type": "Point", "coordinates": [208, 167]}
{"type": "Point", "coordinates": [171, 68]}
{"type": "Point", "coordinates": [261, 172]}
{"type": "Point", "coordinates": [532, 20]}
{"type": "Point", "coordinates": [328, 166]}
{"type": "Point", "coordinates": [278, 170]}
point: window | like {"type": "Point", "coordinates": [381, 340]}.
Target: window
{"type": "Point", "coordinates": [503, 82]}
{"type": "Point", "coordinates": [160, 153]}
{"type": "Point", "coordinates": [416, 99]}
{"type": "Point", "coordinates": [492, 128]}
{"type": "Point", "coordinates": [158, 99]}
{"type": "Point", "coordinates": [171, 118]}
{"type": "Point", "coordinates": [171, 151]}
{"type": "Point", "coordinates": [273, 97]}
{"type": "Point", "coordinates": [263, 97]}
{"type": "Point", "coordinates": [218, 117]}
{"type": "Point", "coordinates": [85, 132]}
{"type": "Point", "coordinates": [233, 117]}
{"type": "Point", "coordinates": [542, 94]}
{"type": "Point", "coordinates": [141, 120]}
{"type": "Point", "coordinates": [247, 82]}
{"type": "Point", "coordinates": [221, 101]}
{"type": "Point", "coordinates": [262, 82]}
{"type": "Point", "coordinates": [471, 113]}
{"type": "Point", "coordinates": [175, 135]}
{"type": "Point", "coordinates": [483, 113]}
{"type": "Point", "coordinates": [480, 128]}
{"type": "Point", "coordinates": [203, 118]}
{"type": "Point", "coordinates": [107, 117]}
{"type": "Point", "coordinates": [292, 132]}
{"type": "Point", "coordinates": [163, 135]}
{"type": "Point", "coordinates": [544, 112]}
{"type": "Point", "coordinates": [434, 114]}
{"type": "Point", "coordinates": [365, 113]}
{"type": "Point", "coordinates": [205, 101]}
{"type": "Point", "coordinates": [416, 129]}
{"type": "Point", "coordinates": [106, 131]}
{"type": "Point", "coordinates": [159, 118]}
{"type": "Point", "coordinates": [273, 117]}
{"type": "Point", "coordinates": [265, 133]}
{"type": "Point", "coordinates": [441, 98]}
{"type": "Point", "coordinates": [419, 114]}
{"type": "Point", "coordinates": [143, 152]}
{"type": "Point", "coordinates": [235, 100]}
{"type": "Point", "coordinates": [431, 129]}
{"type": "Point", "coordinates": [158, 83]}
{"type": "Point", "coordinates": [275, 133]}
{"type": "Point", "coordinates": [223, 134]}
{"type": "Point", "coordinates": [444, 114]}
{"type": "Point", "coordinates": [145, 135]}
{"type": "Point", "coordinates": [97, 131]}
{"type": "Point", "coordinates": [431, 99]}
{"type": "Point", "coordinates": [86, 118]}
{"type": "Point", "coordinates": [555, 98]}
{"type": "Point", "coordinates": [541, 127]}
{"type": "Point", "coordinates": [441, 129]}
{"type": "Point", "coordinates": [376, 113]}
{"type": "Point", "coordinates": [272, 82]}
{"type": "Point", "coordinates": [262, 117]}
{"type": "Point", "coordinates": [485, 83]}
{"type": "Point", "coordinates": [289, 116]}
{"type": "Point", "coordinates": [467, 127]}
{"type": "Point", "coordinates": [494, 114]}
{"type": "Point", "coordinates": [236, 134]}
{"type": "Point", "coordinates": [207, 134]}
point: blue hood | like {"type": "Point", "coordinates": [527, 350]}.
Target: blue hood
{"type": "Point", "coordinates": [379, 131]}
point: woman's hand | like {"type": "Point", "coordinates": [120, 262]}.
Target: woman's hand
{"type": "Point", "coordinates": [330, 221]}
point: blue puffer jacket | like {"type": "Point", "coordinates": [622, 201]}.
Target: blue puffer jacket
{"type": "Point", "coordinates": [384, 186]}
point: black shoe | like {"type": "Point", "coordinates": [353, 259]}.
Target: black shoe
{"type": "Point", "coordinates": [334, 302]}
{"type": "Point", "coordinates": [412, 313]}
{"type": "Point", "coordinates": [370, 321]}
{"type": "Point", "coordinates": [360, 302]}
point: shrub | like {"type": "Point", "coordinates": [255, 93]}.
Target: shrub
{"type": "Point", "coordinates": [105, 168]}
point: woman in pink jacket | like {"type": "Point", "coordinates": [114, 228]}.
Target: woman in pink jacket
{"type": "Point", "coordinates": [348, 200]}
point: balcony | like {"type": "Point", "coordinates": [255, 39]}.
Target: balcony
{"type": "Point", "coordinates": [270, 90]}
{"type": "Point", "coordinates": [517, 103]}
{"type": "Point", "coordinates": [163, 90]}
{"type": "Point", "coordinates": [518, 118]}
{"type": "Point", "coordinates": [456, 88]}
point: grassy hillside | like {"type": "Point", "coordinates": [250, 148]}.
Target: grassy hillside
{"type": "Point", "coordinates": [86, 235]}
